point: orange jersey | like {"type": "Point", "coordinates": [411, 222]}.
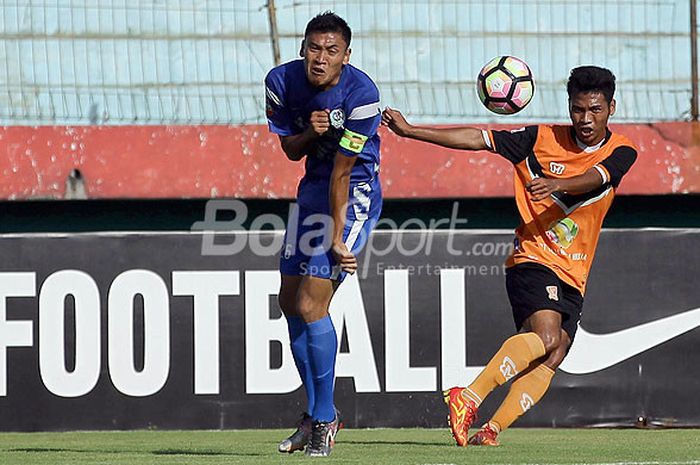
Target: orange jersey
{"type": "Point", "coordinates": [561, 232]}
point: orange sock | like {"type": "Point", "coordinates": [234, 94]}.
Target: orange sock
{"type": "Point", "coordinates": [524, 392]}
{"type": "Point", "coordinates": [514, 356]}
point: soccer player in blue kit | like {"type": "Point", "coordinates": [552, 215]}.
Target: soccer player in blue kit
{"type": "Point", "coordinates": [327, 111]}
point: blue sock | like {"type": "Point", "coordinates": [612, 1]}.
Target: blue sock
{"type": "Point", "coordinates": [323, 345]}
{"type": "Point", "coordinates": [299, 341]}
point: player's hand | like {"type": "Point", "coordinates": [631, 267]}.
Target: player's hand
{"type": "Point", "coordinates": [395, 121]}
{"type": "Point", "coordinates": [320, 122]}
{"type": "Point", "coordinates": [541, 188]}
{"type": "Point", "coordinates": [344, 258]}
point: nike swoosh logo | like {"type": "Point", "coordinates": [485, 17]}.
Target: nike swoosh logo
{"type": "Point", "coordinates": [594, 352]}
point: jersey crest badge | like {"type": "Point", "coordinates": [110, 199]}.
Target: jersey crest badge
{"type": "Point", "coordinates": [556, 168]}
{"type": "Point", "coordinates": [337, 118]}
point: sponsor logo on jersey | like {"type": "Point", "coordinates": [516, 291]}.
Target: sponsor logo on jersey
{"type": "Point", "coordinates": [563, 232]}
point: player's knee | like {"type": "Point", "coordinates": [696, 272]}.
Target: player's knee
{"type": "Point", "coordinates": [550, 339]}
{"type": "Point", "coordinates": [556, 356]}
{"type": "Point", "coordinates": [307, 308]}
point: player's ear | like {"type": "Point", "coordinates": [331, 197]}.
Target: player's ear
{"type": "Point", "coordinates": [612, 107]}
{"type": "Point", "coordinates": [301, 49]}
{"type": "Point", "coordinates": [346, 58]}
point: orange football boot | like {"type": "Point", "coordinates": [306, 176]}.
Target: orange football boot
{"type": "Point", "coordinates": [486, 436]}
{"type": "Point", "coordinates": [463, 413]}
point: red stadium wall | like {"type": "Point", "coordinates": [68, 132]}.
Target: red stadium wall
{"type": "Point", "coordinates": [246, 162]}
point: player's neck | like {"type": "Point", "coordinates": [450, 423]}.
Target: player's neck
{"type": "Point", "coordinates": [589, 148]}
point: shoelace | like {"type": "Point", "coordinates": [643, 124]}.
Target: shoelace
{"type": "Point", "coordinates": [318, 435]}
{"type": "Point", "coordinates": [472, 412]}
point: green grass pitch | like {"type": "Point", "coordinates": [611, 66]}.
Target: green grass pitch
{"type": "Point", "coordinates": [354, 446]}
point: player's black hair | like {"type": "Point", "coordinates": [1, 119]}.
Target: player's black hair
{"type": "Point", "coordinates": [329, 22]}
{"type": "Point", "coordinates": [591, 79]}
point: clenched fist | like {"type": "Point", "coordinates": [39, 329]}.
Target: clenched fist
{"type": "Point", "coordinates": [320, 122]}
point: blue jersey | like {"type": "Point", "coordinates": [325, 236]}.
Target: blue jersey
{"type": "Point", "coordinates": [354, 117]}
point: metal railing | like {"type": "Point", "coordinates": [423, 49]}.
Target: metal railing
{"type": "Point", "coordinates": [203, 61]}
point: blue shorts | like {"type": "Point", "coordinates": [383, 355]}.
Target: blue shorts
{"type": "Point", "coordinates": [307, 241]}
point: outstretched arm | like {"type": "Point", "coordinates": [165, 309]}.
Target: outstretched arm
{"type": "Point", "coordinates": [464, 138]}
